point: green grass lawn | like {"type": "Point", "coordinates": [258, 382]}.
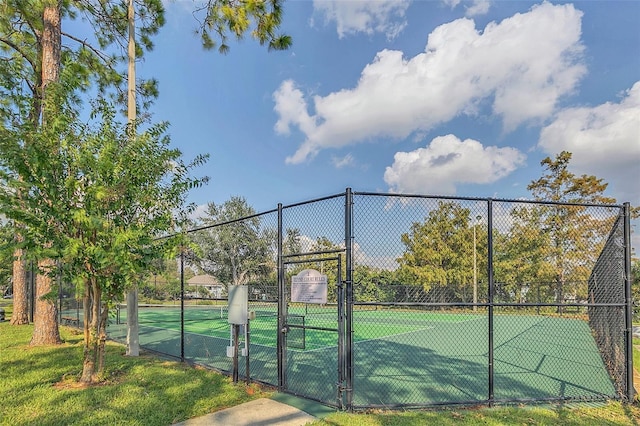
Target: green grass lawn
{"type": "Point", "coordinates": [39, 387]}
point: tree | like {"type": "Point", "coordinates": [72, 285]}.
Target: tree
{"type": "Point", "coordinates": [373, 284]}
{"type": "Point", "coordinates": [438, 253]}
{"type": "Point", "coordinates": [518, 255]}
{"type": "Point", "coordinates": [6, 256]}
{"type": "Point", "coordinates": [163, 280]}
{"type": "Point", "coordinates": [222, 17]}
{"type": "Point", "coordinates": [570, 230]}
{"type": "Point", "coordinates": [234, 248]}
{"type": "Point", "coordinates": [292, 243]}
{"type": "Point", "coordinates": [45, 330]}
{"type": "Point", "coordinates": [101, 203]}
{"type": "Point", "coordinates": [19, 48]}
{"type": "Point", "coordinates": [30, 40]}
{"type": "Point", "coordinates": [33, 57]}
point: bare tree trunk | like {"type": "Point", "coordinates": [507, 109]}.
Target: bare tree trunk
{"type": "Point", "coordinates": [51, 43]}
{"type": "Point", "coordinates": [102, 337]}
{"type": "Point", "coordinates": [20, 303]}
{"type": "Point", "coordinates": [92, 305]}
{"type": "Point", "coordinates": [45, 331]}
{"type": "Point", "coordinates": [20, 314]}
{"type": "Point", "coordinates": [86, 309]}
{"type": "Point", "coordinates": [45, 318]}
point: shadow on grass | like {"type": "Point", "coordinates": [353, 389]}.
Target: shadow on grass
{"type": "Point", "coordinates": [144, 390]}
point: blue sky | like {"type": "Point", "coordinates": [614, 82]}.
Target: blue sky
{"type": "Point", "coordinates": [431, 97]}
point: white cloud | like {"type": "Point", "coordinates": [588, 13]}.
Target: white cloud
{"type": "Point", "coordinates": [199, 213]}
{"type": "Point", "coordinates": [451, 3]}
{"type": "Point", "coordinates": [604, 141]}
{"type": "Point", "coordinates": [448, 161]}
{"type": "Point", "coordinates": [475, 7]}
{"type": "Point", "coordinates": [292, 109]}
{"type": "Point", "coordinates": [478, 7]}
{"type": "Point", "coordinates": [360, 257]}
{"type": "Point", "coordinates": [369, 17]}
{"type": "Point", "coordinates": [340, 162]}
{"type": "Point", "coordinates": [523, 64]}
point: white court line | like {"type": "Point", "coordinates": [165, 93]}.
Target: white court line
{"type": "Point", "coordinates": [393, 335]}
{"type": "Point", "coordinates": [363, 341]}
{"type": "Point", "coordinates": [326, 347]}
{"type": "Point", "coordinates": [226, 339]}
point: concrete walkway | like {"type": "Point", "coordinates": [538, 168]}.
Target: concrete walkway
{"type": "Point", "coordinates": [260, 412]}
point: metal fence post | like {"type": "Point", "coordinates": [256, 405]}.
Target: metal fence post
{"type": "Point", "coordinates": [628, 300]}
{"type": "Point", "coordinates": [182, 304]}
{"type": "Point", "coordinates": [491, 295]}
{"type": "Point", "coordinates": [348, 240]}
{"type": "Point", "coordinates": [342, 362]}
{"type": "Point", "coordinates": [282, 307]}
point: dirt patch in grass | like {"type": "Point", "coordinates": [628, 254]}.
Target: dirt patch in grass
{"type": "Point", "coordinates": [71, 381]}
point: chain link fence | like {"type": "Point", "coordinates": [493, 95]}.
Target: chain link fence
{"type": "Point", "coordinates": [429, 301]}
{"type": "Point", "coordinates": [607, 318]}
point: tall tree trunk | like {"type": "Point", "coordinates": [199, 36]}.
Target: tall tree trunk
{"type": "Point", "coordinates": [86, 309]}
{"type": "Point", "coordinates": [20, 302]}
{"type": "Point", "coordinates": [51, 44]}
{"type": "Point", "coordinates": [20, 314]}
{"type": "Point", "coordinates": [45, 331]}
{"type": "Point", "coordinates": [45, 318]}
{"type": "Point", "coordinates": [133, 338]}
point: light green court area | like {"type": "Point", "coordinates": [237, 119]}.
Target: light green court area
{"type": "Point", "coordinates": [367, 324]}
{"type": "Point", "coordinates": [400, 355]}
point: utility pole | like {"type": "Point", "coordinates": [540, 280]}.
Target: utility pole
{"type": "Point", "coordinates": [133, 341]}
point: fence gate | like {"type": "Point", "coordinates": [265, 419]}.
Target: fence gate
{"type": "Point", "coordinates": [311, 346]}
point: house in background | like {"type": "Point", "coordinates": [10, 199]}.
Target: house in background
{"type": "Point", "coordinates": [208, 283]}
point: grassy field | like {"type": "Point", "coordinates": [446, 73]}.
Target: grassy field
{"type": "Point", "coordinates": [39, 387]}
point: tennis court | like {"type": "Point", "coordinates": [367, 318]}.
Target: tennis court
{"type": "Point", "coordinates": [442, 301]}
{"type": "Point", "coordinates": [400, 356]}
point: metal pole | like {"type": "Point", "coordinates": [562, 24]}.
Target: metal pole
{"type": "Point", "coordinates": [475, 270]}
{"type": "Point", "coordinates": [282, 308]}
{"type": "Point", "coordinates": [341, 331]}
{"type": "Point", "coordinates": [247, 344]}
{"type": "Point", "coordinates": [629, 300]}
{"type": "Point", "coordinates": [236, 329]}
{"type": "Point", "coordinates": [491, 294]}
{"type": "Point", "coordinates": [348, 240]}
{"type": "Point", "coordinates": [182, 304]}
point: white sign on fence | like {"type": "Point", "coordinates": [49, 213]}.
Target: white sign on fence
{"type": "Point", "coordinates": [309, 286]}
{"type": "Point", "coordinates": [238, 304]}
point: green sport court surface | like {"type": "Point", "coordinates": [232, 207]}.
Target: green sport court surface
{"type": "Point", "coordinates": [400, 356]}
